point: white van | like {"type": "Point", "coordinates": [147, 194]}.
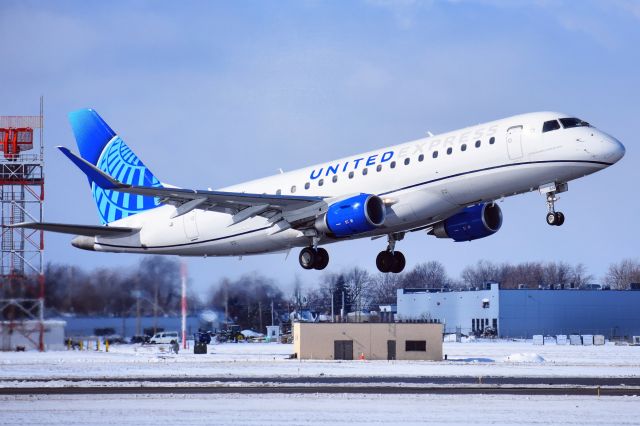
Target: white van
{"type": "Point", "coordinates": [165, 337]}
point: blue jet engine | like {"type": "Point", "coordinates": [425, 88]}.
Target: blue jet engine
{"type": "Point", "coordinates": [473, 222]}
{"type": "Point", "coordinates": [354, 215]}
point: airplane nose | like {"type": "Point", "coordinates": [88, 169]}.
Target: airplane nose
{"type": "Point", "coordinates": [615, 150]}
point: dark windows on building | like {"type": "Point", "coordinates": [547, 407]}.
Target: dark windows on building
{"type": "Point", "coordinates": [416, 346]}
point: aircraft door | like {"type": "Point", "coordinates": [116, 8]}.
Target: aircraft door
{"type": "Point", "coordinates": [514, 142]}
{"type": "Point", "coordinates": [191, 225]}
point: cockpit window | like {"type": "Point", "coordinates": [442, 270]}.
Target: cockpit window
{"type": "Point", "coordinates": [567, 123]}
{"type": "Point", "coordinates": [550, 125]}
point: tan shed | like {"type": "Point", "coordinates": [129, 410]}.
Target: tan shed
{"type": "Point", "coordinates": [373, 341]}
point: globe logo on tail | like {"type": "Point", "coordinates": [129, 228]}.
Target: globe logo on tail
{"type": "Point", "coordinates": [121, 163]}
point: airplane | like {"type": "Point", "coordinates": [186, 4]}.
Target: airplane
{"type": "Point", "coordinates": [446, 185]}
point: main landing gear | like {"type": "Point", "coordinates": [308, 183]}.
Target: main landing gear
{"type": "Point", "coordinates": [313, 258]}
{"type": "Point", "coordinates": [391, 260]}
{"type": "Point", "coordinates": [550, 191]}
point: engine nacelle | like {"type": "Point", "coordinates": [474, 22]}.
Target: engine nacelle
{"type": "Point", "coordinates": [354, 215]}
{"type": "Point", "coordinates": [474, 222]}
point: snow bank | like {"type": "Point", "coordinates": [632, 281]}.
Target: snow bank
{"type": "Point", "coordinates": [524, 357]}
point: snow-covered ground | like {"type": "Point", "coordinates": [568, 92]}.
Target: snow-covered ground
{"type": "Point", "coordinates": [481, 358]}
{"type": "Point", "coordinates": [338, 409]}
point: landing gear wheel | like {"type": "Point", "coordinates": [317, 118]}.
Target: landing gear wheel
{"type": "Point", "coordinates": [307, 257]}
{"type": "Point", "coordinates": [321, 260]}
{"type": "Point", "coordinates": [552, 218]}
{"type": "Point", "coordinates": [384, 261]}
{"type": "Point", "coordinates": [559, 218]}
{"type": "Point", "coordinates": [399, 262]}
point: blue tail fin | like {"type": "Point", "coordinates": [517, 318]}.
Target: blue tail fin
{"type": "Point", "coordinates": [99, 145]}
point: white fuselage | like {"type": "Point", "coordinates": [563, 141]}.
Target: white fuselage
{"type": "Point", "coordinates": [514, 156]}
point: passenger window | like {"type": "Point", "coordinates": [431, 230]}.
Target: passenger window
{"type": "Point", "coordinates": [334, 179]}
{"type": "Point", "coordinates": [278, 192]}
{"type": "Point", "coordinates": [463, 147]}
{"type": "Point", "coordinates": [293, 189]}
{"type": "Point", "coordinates": [350, 175]}
{"type": "Point", "coordinates": [392, 165]}
{"type": "Point", "coordinates": [365, 171]}
{"type": "Point", "coordinates": [435, 154]}
{"type": "Point", "coordinates": [307, 185]}
{"type": "Point", "coordinates": [420, 157]}
{"type": "Point", "coordinates": [550, 125]}
{"type": "Point", "coordinates": [379, 168]}
{"type": "Point", "coordinates": [406, 161]}
{"type": "Point", "coordinates": [449, 151]}
{"type": "Point", "coordinates": [321, 182]}
{"type": "Point", "coordinates": [478, 144]}
{"type": "Point", "coordinates": [492, 140]}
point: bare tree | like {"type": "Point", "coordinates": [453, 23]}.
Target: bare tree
{"type": "Point", "coordinates": [358, 281]}
{"type": "Point", "coordinates": [247, 299]}
{"type": "Point", "coordinates": [557, 273]}
{"type": "Point", "coordinates": [580, 276]}
{"type": "Point", "coordinates": [529, 274]}
{"type": "Point", "coordinates": [622, 274]}
{"type": "Point", "coordinates": [426, 275]}
{"type": "Point", "coordinates": [383, 288]}
{"type": "Point", "coordinates": [483, 272]}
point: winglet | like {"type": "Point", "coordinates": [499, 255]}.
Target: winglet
{"type": "Point", "coordinates": [94, 174]}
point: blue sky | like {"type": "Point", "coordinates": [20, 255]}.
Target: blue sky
{"type": "Point", "coordinates": [210, 94]}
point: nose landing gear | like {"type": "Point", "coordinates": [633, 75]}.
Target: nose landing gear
{"type": "Point", "coordinates": [555, 218]}
{"type": "Point", "coordinates": [391, 260]}
{"type": "Point", "coordinates": [550, 190]}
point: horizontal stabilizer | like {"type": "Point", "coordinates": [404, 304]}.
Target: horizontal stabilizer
{"type": "Point", "coordinates": [94, 174]}
{"type": "Point", "coordinates": [87, 230]}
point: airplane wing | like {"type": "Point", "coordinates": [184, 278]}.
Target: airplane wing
{"type": "Point", "coordinates": [88, 230]}
{"type": "Point", "coordinates": [293, 209]}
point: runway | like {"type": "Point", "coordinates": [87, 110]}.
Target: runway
{"type": "Point", "coordinates": [365, 390]}
{"type": "Point", "coordinates": [351, 380]}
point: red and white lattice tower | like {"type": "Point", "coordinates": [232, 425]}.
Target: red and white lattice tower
{"type": "Point", "coordinates": [21, 262]}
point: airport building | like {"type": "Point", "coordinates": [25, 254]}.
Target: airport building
{"type": "Point", "coordinates": [373, 341]}
{"type": "Point", "coordinates": [525, 312]}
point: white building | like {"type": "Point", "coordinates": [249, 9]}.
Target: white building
{"type": "Point", "coordinates": [467, 311]}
